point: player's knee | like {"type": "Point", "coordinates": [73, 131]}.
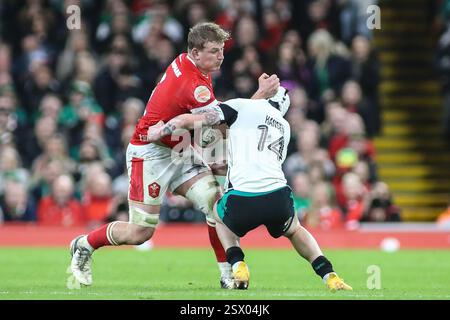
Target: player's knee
{"type": "Point", "coordinates": [141, 226]}
{"type": "Point", "coordinates": [204, 194]}
{"type": "Point", "coordinates": [137, 235]}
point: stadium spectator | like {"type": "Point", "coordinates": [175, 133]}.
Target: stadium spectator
{"type": "Point", "coordinates": [128, 114]}
{"type": "Point", "coordinates": [230, 12]}
{"type": "Point", "coordinates": [42, 180]}
{"type": "Point", "coordinates": [287, 64]}
{"type": "Point", "coordinates": [105, 83]}
{"type": "Point", "coordinates": [334, 124]}
{"type": "Point", "coordinates": [245, 35]}
{"type": "Point", "coordinates": [85, 68]}
{"type": "Point", "coordinates": [362, 170]}
{"type": "Point", "coordinates": [92, 153]}
{"type": "Point", "coordinates": [17, 204]}
{"type": "Point", "coordinates": [60, 208]}
{"type": "Point", "coordinates": [50, 106]}
{"type": "Point", "coordinates": [312, 109]}
{"type": "Point", "coordinates": [113, 20]}
{"type": "Point", "coordinates": [11, 167]}
{"type": "Point", "coordinates": [352, 101]}
{"type": "Point", "coordinates": [128, 85]}
{"type": "Point", "coordinates": [40, 83]}
{"type": "Point", "coordinates": [158, 17]}
{"type": "Point", "coordinates": [81, 109]}
{"type": "Point", "coordinates": [127, 125]}
{"type": "Point", "coordinates": [329, 70]}
{"type": "Point", "coordinates": [97, 200]}
{"type": "Point", "coordinates": [296, 118]}
{"type": "Point", "coordinates": [94, 133]}
{"type": "Point", "coordinates": [11, 132]}
{"type": "Point", "coordinates": [315, 15]}
{"type": "Point", "coordinates": [77, 42]}
{"type": "Point", "coordinates": [54, 148]}
{"type": "Point", "coordinates": [34, 54]}
{"type": "Point", "coordinates": [308, 153]}
{"type": "Point", "coordinates": [353, 18]}
{"type": "Point", "coordinates": [301, 192]}
{"type": "Point", "coordinates": [347, 150]}
{"type": "Point", "coordinates": [324, 213]}
{"type": "Point", "coordinates": [158, 53]}
{"type": "Point", "coordinates": [194, 12]}
{"type": "Point", "coordinates": [355, 198]}
{"type": "Point", "coordinates": [5, 61]}
{"type": "Point", "coordinates": [365, 71]}
{"type": "Point", "coordinates": [273, 28]}
{"type": "Point", "coordinates": [44, 129]}
{"type": "Point", "coordinates": [380, 206]}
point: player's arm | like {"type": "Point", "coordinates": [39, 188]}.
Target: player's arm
{"type": "Point", "coordinates": [222, 113]}
{"type": "Point", "coordinates": [183, 121]}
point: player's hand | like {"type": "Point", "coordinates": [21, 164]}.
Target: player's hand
{"type": "Point", "coordinates": [154, 131]}
{"type": "Point", "coordinates": [219, 169]}
{"type": "Point", "coordinates": [268, 85]}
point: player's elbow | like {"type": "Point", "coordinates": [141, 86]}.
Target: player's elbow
{"type": "Point", "coordinates": [179, 123]}
{"type": "Point", "coordinates": [187, 122]}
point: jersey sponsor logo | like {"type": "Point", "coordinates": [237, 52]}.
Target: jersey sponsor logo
{"type": "Point", "coordinates": [153, 189]}
{"type": "Point", "coordinates": [202, 94]}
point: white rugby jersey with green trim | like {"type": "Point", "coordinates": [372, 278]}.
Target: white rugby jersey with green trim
{"type": "Point", "coordinates": [257, 145]}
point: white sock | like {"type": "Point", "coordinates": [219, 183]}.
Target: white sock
{"type": "Point", "coordinates": [83, 242]}
{"type": "Point", "coordinates": [225, 269]}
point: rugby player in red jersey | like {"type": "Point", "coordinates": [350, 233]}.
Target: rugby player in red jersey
{"type": "Point", "coordinates": [152, 167]}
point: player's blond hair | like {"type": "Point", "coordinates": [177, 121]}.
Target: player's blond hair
{"type": "Point", "coordinates": [205, 32]}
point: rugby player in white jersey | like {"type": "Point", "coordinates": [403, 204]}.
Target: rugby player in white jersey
{"type": "Point", "coordinates": [256, 191]}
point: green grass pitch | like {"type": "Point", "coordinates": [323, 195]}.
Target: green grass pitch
{"type": "Point", "coordinates": [191, 274]}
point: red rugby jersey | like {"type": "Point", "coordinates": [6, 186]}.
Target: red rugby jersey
{"type": "Point", "coordinates": [182, 88]}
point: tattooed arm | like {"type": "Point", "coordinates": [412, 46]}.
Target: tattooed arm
{"type": "Point", "coordinates": [183, 121]}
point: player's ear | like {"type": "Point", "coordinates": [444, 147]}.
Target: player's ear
{"type": "Point", "coordinates": [195, 53]}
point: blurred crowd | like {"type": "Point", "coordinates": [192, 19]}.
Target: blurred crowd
{"type": "Point", "coordinates": [442, 59]}
{"type": "Point", "coordinates": [69, 101]}
{"type": "Point", "coordinates": [441, 27]}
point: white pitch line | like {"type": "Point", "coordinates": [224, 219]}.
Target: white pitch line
{"type": "Point", "coordinates": [222, 294]}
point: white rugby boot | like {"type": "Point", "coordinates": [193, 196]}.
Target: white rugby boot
{"type": "Point", "coordinates": [81, 261]}
{"type": "Point", "coordinates": [226, 276]}
{"type": "Point", "coordinates": [227, 283]}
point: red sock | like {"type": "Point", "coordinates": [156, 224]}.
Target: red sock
{"type": "Point", "coordinates": [99, 237]}
{"type": "Point", "coordinates": [221, 256]}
